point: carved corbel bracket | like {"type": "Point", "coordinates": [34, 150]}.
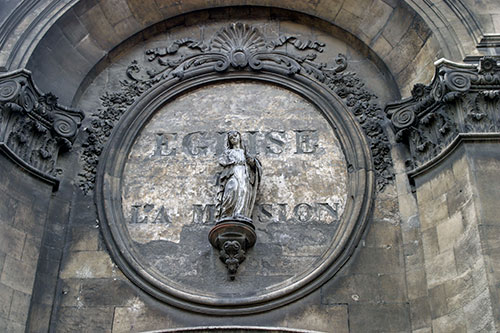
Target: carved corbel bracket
{"type": "Point", "coordinates": [33, 126]}
{"type": "Point", "coordinates": [462, 98]}
{"type": "Point", "coordinates": [232, 238]}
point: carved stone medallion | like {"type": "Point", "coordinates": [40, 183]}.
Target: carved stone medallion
{"type": "Point", "coordinates": [157, 179]}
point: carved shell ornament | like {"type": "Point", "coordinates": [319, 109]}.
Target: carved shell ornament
{"type": "Point", "coordinates": [239, 46]}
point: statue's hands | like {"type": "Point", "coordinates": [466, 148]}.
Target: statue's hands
{"type": "Point", "coordinates": [250, 160]}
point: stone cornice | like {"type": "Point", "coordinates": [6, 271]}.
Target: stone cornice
{"type": "Point", "coordinates": [33, 126]}
{"type": "Point", "coordinates": [462, 98]}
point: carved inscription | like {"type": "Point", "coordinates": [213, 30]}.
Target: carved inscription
{"type": "Point", "coordinates": [320, 212]}
{"type": "Point", "coordinates": [171, 176]}
{"type": "Point", "coordinates": [200, 143]}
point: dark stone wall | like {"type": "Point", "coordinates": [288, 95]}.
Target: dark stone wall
{"type": "Point", "coordinates": [24, 202]}
{"type": "Point", "coordinates": [370, 292]}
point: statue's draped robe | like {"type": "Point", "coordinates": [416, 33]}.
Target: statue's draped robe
{"type": "Point", "coordinates": [238, 182]}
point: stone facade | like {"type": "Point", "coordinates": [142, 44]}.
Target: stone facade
{"type": "Point", "coordinates": [372, 216]}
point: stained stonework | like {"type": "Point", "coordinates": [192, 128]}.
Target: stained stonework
{"type": "Point", "coordinates": [117, 256]}
{"type": "Point", "coordinates": [169, 185]}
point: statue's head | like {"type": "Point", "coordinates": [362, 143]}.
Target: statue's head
{"type": "Point", "coordinates": [234, 139]}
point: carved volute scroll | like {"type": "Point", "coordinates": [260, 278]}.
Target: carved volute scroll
{"type": "Point", "coordinates": [33, 126]}
{"type": "Point", "coordinates": [461, 100]}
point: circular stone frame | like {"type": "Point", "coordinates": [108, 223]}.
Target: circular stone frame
{"type": "Point", "coordinates": [360, 191]}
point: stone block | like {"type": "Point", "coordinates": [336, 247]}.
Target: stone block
{"type": "Point", "coordinates": [377, 260]}
{"type": "Point", "coordinates": [13, 327]}
{"type": "Point", "coordinates": [31, 250]}
{"type": "Point", "coordinates": [375, 18]}
{"type": "Point", "coordinates": [332, 318]}
{"type": "Point", "coordinates": [403, 52]}
{"type": "Point", "coordinates": [440, 268]}
{"type": "Point", "coordinates": [3, 324]}
{"type": "Point", "coordinates": [414, 255]}
{"type": "Point", "coordinates": [430, 242]}
{"type": "Point", "coordinates": [115, 10]}
{"type": "Point", "coordinates": [479, 314]}
{"type": "Point", "coordinates": [453, 322]}
{"type": "Point", "coordinates": [386, 209]}
{"type": "Point", "coordinates": [128, 27]}
{"type": "Point", "coordinates": [416, 283]}
{"type": "Point", "coordinates": [7, 209]}
{"type": "Point", "coordinates": [329, 9]}
{"type": "Point", "coordinates": [458, 196]}
{"type": "Point", "coordinates": [20, 307]}
{"type": "Point", "coordinates": [383, 234]}
{"type": "Point", "coordinates": [87, 265]}
{"type": "Point", "coordinates": [397, 25]}
{"type": "Point", "coordinates": [99, 28]}
{"type": "Point", "coordinates": [420, 313]}
{"type": "Point", "coordinates": [442, 182]}
{"type": "Point", "coordinates": [76, 319]}
{"type": "Point", "coordinates": [89, 49]}
{"type": "Point", "coordinates": [5, 300]}
{"type": "Point", "coordinates": [461, 169]}
{"type": "Point", "coordinates": [379, 317]}
{"type": "Point", "coordinates": [29, 219]}
{"type": "Point", "coordinates": [70, 290]}
{"type": "Point", "coordinates": [468, 251]}
{"type": "Point", "coordinates": [433, 212]}
{"type": "Point", "coordinates": [392, 288]}
{"type": "Point", "coordinates": [18, 275]}
{"type": "Point", "coordinates": [449, 231]}
{"type": "Point", "coordinates": [490, 236]}
{"type": "Point", "coordinates": [71, 27]}
{"type": "Point", "coordinates": [138, 317]}
{"type": "Point", "coordinates": [351, 288]}
{"type": "Point", "coordinates": [348, 21]}
{"type": "Point", "coordinates": [437, 301]}
{"type": "Point", "coordinates": [459, 291]}
{"type": "Point", "coordinates": [407, 206]}
{"type": "Point", "coordinates": [11, 241]}
{"type": "Point", "coordinates": [145, 12]}
{"type": "Point", "coordinates": [106, 292]}
{"type": "Point", "coordinates": [358, 8]}
{"type": "Point", "coordinates": [84, 238]}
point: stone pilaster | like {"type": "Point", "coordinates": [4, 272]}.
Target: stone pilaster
{"type": "Point", "coordinates": [451, 130]}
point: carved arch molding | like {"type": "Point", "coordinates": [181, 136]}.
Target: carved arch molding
{"type": "Point", "coordinates": [237, 53]}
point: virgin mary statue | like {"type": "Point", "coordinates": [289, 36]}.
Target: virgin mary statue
{"type": "Point", "coordinates": [238, 182]}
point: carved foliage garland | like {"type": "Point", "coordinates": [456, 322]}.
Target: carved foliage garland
{"type": "Point", "coordinates": [33, 126]}
{"type": "Point", "coordinates": [238, 47]}
{"type": "Point", "coordinates": [461, 99]}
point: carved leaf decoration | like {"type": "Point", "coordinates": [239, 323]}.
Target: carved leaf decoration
{"type": "Point", "coordinates": [240, 46]}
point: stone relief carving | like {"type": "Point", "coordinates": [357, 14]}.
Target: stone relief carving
{"type": "Point", "coordinates": [33, 126]}
{"type": "Point", "coordinates": [234, 231]}
{"type": "Point", "coordinates": [461, 99]}
{"type": "Point", "coordinates": [238, 182]}
{"type": "Point", "coordinates": [239, 47]}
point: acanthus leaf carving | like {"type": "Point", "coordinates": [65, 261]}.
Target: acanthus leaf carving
{"type": "Point", "coordinates": [460, 99]}
{"type": "Point", "coordinates": [34, 127]}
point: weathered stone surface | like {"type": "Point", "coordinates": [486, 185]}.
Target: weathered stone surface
{"type": "Point", "coordinates": [169, 183]}
{"type": "Point", "coordinates": [379, 317]}
{"type": "Point", "coordinates": [87, 265]}
{"type": "Point", "coordinates": [6, 297]}
{"type": "Point", "coordinates": [19, 308]}
{"type": "Point", "coordinates": [72, 319]}
{"type": "Point", "coordinates": [11, 241]}
{"type": "Point", "coordinates": [18, 275]}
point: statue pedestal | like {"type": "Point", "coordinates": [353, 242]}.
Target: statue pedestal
{"type": "Point", "coordinates": [232, 237]}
